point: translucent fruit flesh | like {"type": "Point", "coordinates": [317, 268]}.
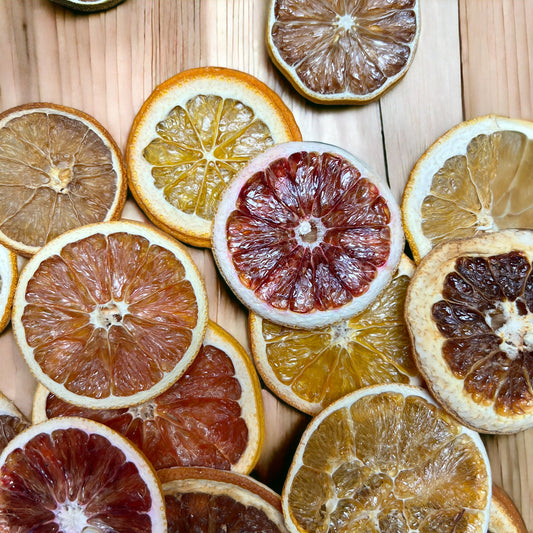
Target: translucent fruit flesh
{"type": "Point", "coordinates": [9, 427]}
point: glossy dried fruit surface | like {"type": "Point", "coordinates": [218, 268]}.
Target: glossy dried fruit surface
{"type": "Point", "coordinates": [12, 421]}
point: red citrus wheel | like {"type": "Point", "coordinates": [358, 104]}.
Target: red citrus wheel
{"type": "Point", "coordinates": [12, 421]}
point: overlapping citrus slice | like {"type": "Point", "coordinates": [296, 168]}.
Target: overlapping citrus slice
{"type": "Point", "coordinates": [111, 314]}
{"type": "Point", "coordinates": [307, 235]}
{"type": "Point", "coordinates": [203, 499]}
{"type": "Point", "coordinates": [475, 178]}
{"type": "Point", "coordinates": [469, 311]}
{"type": "Point", "coordinates": [8, 282]}
{"type": "Point", "coordinates": [59, 169]}
{"type": "Point", "coordinates": [387, 459]}
{"type": "Point", "coordinates": [348, 51]}
{"type": "Point", "coordinates": [212, 416]}
{"type": "Point", "coordinates": [73, 474]}
{"type": "Point", "coordinates": [191, 136]}
{"type": "Point", "coordinates": [309, 369]}
{"type": "Point", "coordinates": [504, 516]}
{"type": "Point", "coordinates": [12, 421]}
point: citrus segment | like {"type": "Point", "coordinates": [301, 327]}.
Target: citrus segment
{"type": "Point", "coordinates": [111, 314]}
{"type": "Point", "coordinates": [191, 136]}
{"type": "Point", "coordinates": [387, 458]}
{"type": "Point", "coordinates": [309, 369]}
{"type": "Point", "coordinates": [342, 52]}
{"type": "Point", "coordinates": [504, 516]}
{"type": "Point", "coordinates": [8, 282]}
{"type": "Point", "coordinates": [59, 169]}
{"type": "Point", "coordinates": [307, 235]}
{"type": "Point", "coordinates": [12, 421]}
{"type": "Point", "coordinates": [72, 474]}
{"type": "Point", "coordinates": [469, 311]}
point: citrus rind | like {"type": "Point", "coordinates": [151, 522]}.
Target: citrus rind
{"type": "Point", "coordinates": [8, 283]}
{"type": "Point", "coordinates": [88, 6]}
{"type": "Point", "coordinates": [504, 516]}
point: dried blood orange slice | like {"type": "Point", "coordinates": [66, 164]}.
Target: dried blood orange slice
{"type": "Point", "coordinates": [306, 235]}
{"type": "Point", "coordinates": [386, 458]}
{"type": "Point", "coordinates": [212, 416]}
{"type": "Point", "coordinates": [111, 314]}
{"type": "Point", "coordinates": [469, 311]}
{"type": "Point", "coordinates": [8, 282]}
{"type": "Point", "coordinates": [202, 499]}
{"type": "Point", "coordinates": [12, 421]}
{"type": "Point", "coordinates": [504, 516]}
{"type": "Point", "coordinates": [72, 474]}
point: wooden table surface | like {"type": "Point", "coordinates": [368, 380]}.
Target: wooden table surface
{"type": "Point", "coordinates": [474, 57]}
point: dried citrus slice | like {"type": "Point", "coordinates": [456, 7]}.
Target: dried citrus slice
{"type": "Point", "coordinates": [111, 314]}
{"type": "Point", "coordinates": [504, 516]}
{"type": "Point", "coordinates": [306, 235]}
{"type": "Point", "coordinates": [212, 416]}
{"type": "Point", "coordinates": [8, 282]}
{"type": "Point", "coordinates": [88, 6]}
{"type": "Point", "coordinates": [203, 499]}
{"type": "Point", "coordinates": [59, 169]}
{"type": "Point", "coordinates": [343, 52]}
{"type": "Point", "coordinates": [469, 310]}
{"type": "Point", "coordinates": [475, 178]}
{"type": "Point", "coordinates": [72, 474]}
{"type": "Point", "coordinates": [191, 136]}
{"type": "Point", "coordinates": [12, 421]}
{"type": "Point", "coordinates": [386, 458]}
{"type": "Point", "coordinates": [309, 369]}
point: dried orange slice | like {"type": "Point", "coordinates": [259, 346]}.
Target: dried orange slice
{"type": "Point", "coordinates": [504, 516]}
{"type": "Point", "coordinates": [306, 235]}
{"type": "Point", "coordinates": [12, 421]}
{"type": "Point", "coordinates": [72, 474]}
{"type": "Point", "coordinates": [212, 416]}
{"type": "Point", "coordinates": [309, 369]}
{"type": "Point", "coordinates": [343, 52]}
{"type": "Point", "coordinates": [111, 314]}
{"type": "Point", "coordinates": [387, 458]}
{"type": "Point", "coordinates": [8, 282]}
{"type": "Point", "coordinates": [191, 136]}
{"type": "Point", "coordinates": [475, 178]}
{"type": "Point", "coordinates": [203, 499]}
{"type": "Point", "coordinates": [59, 169]}
{"type": "Point", "coordinates": [469, 311]}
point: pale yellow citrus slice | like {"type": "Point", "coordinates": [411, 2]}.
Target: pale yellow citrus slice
{"type": "Point", "coordinates": [475, 178]}
{"type": "Point", "coordinates": [386, 458]}
{"type": "Point", "coordinates": [111, 314]}
{"type": "Point", "coordinates": [191, 136]}
{"type": "Point", "coordinates": [347, 51]}
{"type": "Point", "coordinates": [309, 369]}
{"type": "Point", "coordinates": [211, 417]}
{"type": "Point", "coordinates": [73, 474]}
{"type": "Point", "coordinates": [59, 169]}
{"type": "Point", "coordinates": [8, 282]}
{"type": "Point", "coordinates": [12, 421]}
{"type": "Point", "coordinates": [504, 516]}
{"type": "Point", "coordinates": [469, 311]}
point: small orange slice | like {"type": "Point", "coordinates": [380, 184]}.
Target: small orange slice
{"type": "Point", "coordinates": [12, 421]}
{"type": "Point", "coordinates": [8, 282]}
{"type": "Point", "coordinates": [504, 516]}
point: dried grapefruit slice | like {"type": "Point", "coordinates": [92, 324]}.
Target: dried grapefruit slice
{"type": "Point", "coordinates": [111, 314]}
{"type": "Point", "coordinates": [504, 516]}
{"type": "Point", "coordinates": [475, 178]}
{"type": "Point", "coordinates": [387, 458]}
{"type": "Point", "coordinates": [212, 416]}
{"type": "Point", "coordinates": [309, 369]}
{"type": "Point", "coordinates": [343, 52]}
{"type": "Point", "coordinates": [59, 169]}
{"type": "Point", "coordinates": [306, 235]}
{"type": "Point", "coordinates": [12, 421]}
{"type": "Point", "coordinates": [191, 136]}
{"type": "Point", "coordinates": [469, 311]}
{"type": "Point", "coordinates": [202, 499]}
{"type": "Point", "coordinates": [72, 474]}
{"type": "Point", "coordinates": [8, 282]}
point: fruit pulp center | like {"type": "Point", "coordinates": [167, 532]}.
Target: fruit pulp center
{"type": "Point", "coordinates": [310, 232]}
{"type": "Point", "coordinates": [345, 22]}
{"type": "Point", "coordinates": [59, 177]}
{"type": "Point", "coordinates": [144, 411]}
{"type": "Point", "coordinates": [109, 314]}
{"type": "Point", "coordinates": [71, 518]}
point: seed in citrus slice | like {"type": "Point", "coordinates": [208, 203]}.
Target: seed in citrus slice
{"type": "Point", "coordinates": [191, 136]}
{"type": "Point", "coordinates": [343, 52]}
{"type": "Point", "coordinates": [204, 499]}
{"type": "Point", "coordinates": [73, 474]}
{"type": "Point", "coordinates": [386, 458]}
{"type": "Point", "coordinates": [504, 516]}
{"type": "Point", "coordinates": [212, 416]}
{"type": "Point", "coordinates": [469, 311]}
{"type": "Point", "coordinates": [12, 421]}
{"type": "Point", "coordinates": [59, 169]}
{"type": "Point", "coordinates": [111, 314]}
{"type": "Point", "coordinates": [306, 235]}
{"type": "Point", "coordinates": [309, 369]}
{"type": "Point", "coordinates": [88, 6]}
{"type": "Point", "coordinates": [8, 282]}
{"type": "Point", "coordinates": [475, 178]}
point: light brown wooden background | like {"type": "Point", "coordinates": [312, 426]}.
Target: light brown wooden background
{"type": "Point", "coordinates": [474, 57]}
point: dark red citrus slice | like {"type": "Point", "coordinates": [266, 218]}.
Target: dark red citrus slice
{"type": "Point", "coordinates": [12, 421]}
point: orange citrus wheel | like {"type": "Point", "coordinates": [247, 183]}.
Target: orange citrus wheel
{"type": "Point", "coordinates": [12, 421]}
{"type": "Point", "coordinates": [475, 178]}
{"type": "Point", "coordinates": [73, 474]}
{"type": "Point", "coordinates": [386, 458]}
{"type": "Point", "coordinates": [191, 136]}
{"type": "Point", "coordinates": [469, 311]}
{"type": "Point", "coordinates": [504, 516]}
{"type": "Point", "coordinates": [204, 499]}
{"type": "Point", "coordinates": [347, 52]}
{"type": "Point", "coordinates": [306, 235]}
{"type": "Point", "coordinates": [309, 369]}
{"type": "Point", "coordinates": [8, 282]}
{"type": "Point", "coordinates": [212, 416]}
{"type": "Point", "coordinates": [110, 315]}
{"type": "Point", "coordinates": [59, 169]}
